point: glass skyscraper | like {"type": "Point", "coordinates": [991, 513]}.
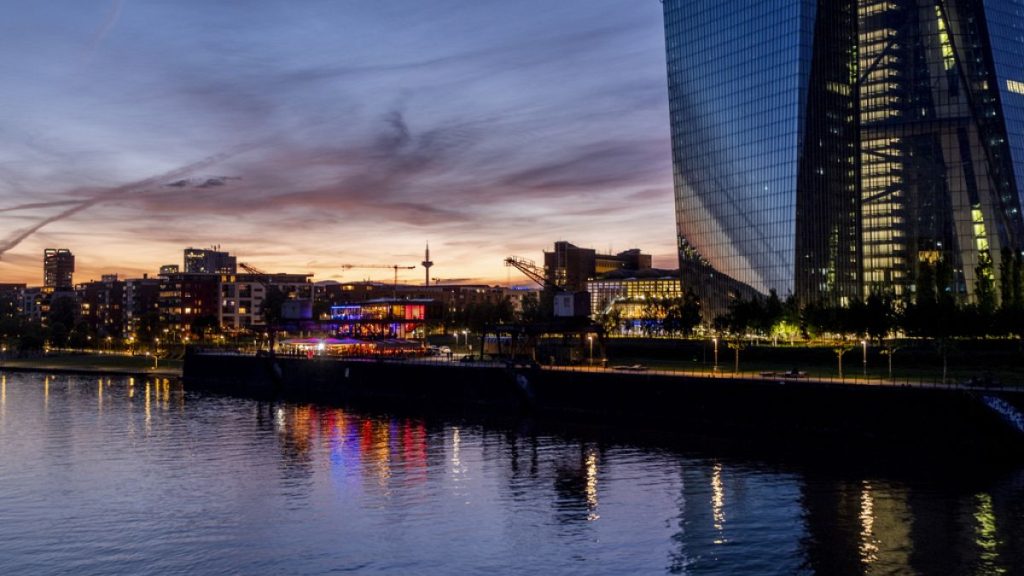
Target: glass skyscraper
{"type": "Point", "coordinates": [838, 148]}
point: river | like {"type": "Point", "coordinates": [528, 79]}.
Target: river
{"type": "Point", "coordinates": [114, 475]}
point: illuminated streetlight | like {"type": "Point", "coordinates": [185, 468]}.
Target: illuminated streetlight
{"type": "Point", "coordinates": [864, 345]}
{"type": "Point", "coordinates": [590, 339]}
{"type": "Point", "coordinates": [715, 340]}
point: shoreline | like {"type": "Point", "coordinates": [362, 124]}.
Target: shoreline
{"type": "Point", "coordinates": [87, 365]}
{"type": "Point", "coordinates": [836, 415]}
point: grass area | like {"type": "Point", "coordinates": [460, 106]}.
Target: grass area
{"type": "Point", "coordinates": [93, 363]}
{"type": "Point", "coordinates": [853, 367]}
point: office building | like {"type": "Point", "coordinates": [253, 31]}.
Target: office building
{"type": "Point", "coordinates": [838, 148]}
{"type": "Point", "coordinates": [207, 261]}
{"type": "Point", "coordinates": [569, 266]}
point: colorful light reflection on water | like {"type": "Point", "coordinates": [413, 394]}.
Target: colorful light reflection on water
{"type": "Point", "coordinates": [126, 476]}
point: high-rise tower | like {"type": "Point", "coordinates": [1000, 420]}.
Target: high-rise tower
{"type": "Point", "coordinates": [426, 265]}
{"type": "Point", "coordinates": [58, 268]}
{"type": "Point", "coordinates": [838, 148]}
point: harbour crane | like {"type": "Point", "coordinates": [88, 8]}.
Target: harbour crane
{"type": "Point", "coordinates": [530, 269]}
{"type": "Point", "coordinates": [395, 267]}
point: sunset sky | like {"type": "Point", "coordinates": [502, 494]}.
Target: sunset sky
{"type": "Point", "coordinates": [301, 135]}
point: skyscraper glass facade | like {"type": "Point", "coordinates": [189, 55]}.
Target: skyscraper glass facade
{"type": "Point", "coordinates": [835, 148]}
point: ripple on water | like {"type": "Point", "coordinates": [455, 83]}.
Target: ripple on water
{"type": "Point", "coordinates": [109, 477]}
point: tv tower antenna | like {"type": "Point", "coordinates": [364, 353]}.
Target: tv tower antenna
{"type": "Point", "coordinates": [427, 264]}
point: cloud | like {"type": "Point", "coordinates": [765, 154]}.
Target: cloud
{"type": "Point", "coordinates": [479, 125]}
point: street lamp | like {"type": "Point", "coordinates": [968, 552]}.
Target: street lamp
{"type": "Point", "coordinates": [156, 354]}
{"type": "Point", "coordinates": [715, 340]}
{"type": "Point", "coordinates": [864, 345]}
{"type": "Point", "coordinates": [465, 335]}
{"type": "Point", "coordinates": [590, 339]}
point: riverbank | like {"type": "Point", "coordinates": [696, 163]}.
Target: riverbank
{"type": "Point", "coordinates": [95, 364]}
{"type": "Point", "coordinates": [836, 416]}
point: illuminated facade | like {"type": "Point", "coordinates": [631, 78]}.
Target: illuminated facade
{"type": "Point", "coordinates": [384, 318]}
{"type": "Point", "coordinates": [206, 261]}
{"type": "Point", "coordinates": [838, 148]}
{"type": "Point", "coordinates": [630, 294]}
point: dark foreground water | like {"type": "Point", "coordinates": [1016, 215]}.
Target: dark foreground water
{"type": "Point", "coordinates": [122, 476]}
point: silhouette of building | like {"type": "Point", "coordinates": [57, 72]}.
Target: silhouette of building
{"type": "Point", "coordinates": [570, 266]}
{"type": "Point", "coordinates": [58, 269]}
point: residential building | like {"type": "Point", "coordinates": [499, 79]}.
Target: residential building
{"type": "Point", "coordinates": [185, 299]}
{"type": "Point", "coordinates": [11, 300]}
{"type": "Point", "coordinates": [101, 306]}
{"type": "Point", "coordinates": [141, 307]}
{"type": "Point", "coordinates": [242, 296]}
{"type": "Point", "coordinates": [58, 269]}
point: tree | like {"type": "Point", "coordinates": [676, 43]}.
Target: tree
{"type": "Point", "coordinates": [841, 351]}
{"type": "Point", "coordinates": [879, 316]}
{"type": "Point", "coordinates": [204, 325]}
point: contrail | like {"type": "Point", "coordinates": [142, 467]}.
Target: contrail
{"type": "Point", "coordinates": [108, 25]}
{"type": "Point", "coordinates": [107, 195]}
{"type": "Point", "coordinates": [35, 205]}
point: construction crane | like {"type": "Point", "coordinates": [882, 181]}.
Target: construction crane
{"type": "Point", "coordinates": [395, 267]}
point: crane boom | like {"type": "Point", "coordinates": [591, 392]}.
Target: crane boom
{"type": "Point", "coordinates": [395, 267]}
{"type": "Point", "coordinates": [532, 271]}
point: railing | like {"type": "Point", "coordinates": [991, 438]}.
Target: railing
{"type": "Point", "coordinates": [954, 382]}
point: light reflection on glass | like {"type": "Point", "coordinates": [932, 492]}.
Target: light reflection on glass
{"type": "Point", "coordinates": [718, 502]}
{"type": "Point", "coordinates": [868, 542]}
{"type": "Point", "coordinates": [592, 486]}
{"type": "Point", "coordinates": [986, 537]}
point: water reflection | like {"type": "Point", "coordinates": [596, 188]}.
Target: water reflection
{"type": "Point", "coordinates": [337, 489]}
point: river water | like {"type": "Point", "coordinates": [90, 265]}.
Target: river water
{"type": "Point", "coordinates": [131, 476]}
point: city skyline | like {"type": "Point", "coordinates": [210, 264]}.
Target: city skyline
{"type": "Point", "coordinates": [304, 138]}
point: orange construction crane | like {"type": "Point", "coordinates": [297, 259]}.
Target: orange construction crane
{"type": "Point", "coordinates": [395, 267]}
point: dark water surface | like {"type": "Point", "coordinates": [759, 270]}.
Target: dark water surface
{"type": "Point", "coordinates": [122, 476]}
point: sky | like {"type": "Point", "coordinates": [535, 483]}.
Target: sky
{"type": "Point", "coordinates": [304, 135]}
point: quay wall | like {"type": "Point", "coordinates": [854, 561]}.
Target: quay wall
{"type": "Point", "coordinates": [836, 414]}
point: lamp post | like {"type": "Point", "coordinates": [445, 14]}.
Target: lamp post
{"type": "Point", "coordinates": [590, 340]}
{"type": "Point", "coordinates": [715, 340]}
{"type": "Point", "coordinates": [864, 346]}
{"type": "Point", "coordinates": [156, 354]}
{"type": "Point", "coordinates": [465, 336]}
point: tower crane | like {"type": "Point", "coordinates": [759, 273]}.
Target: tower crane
{"type": "Point", "coordinates": [395, 267]}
